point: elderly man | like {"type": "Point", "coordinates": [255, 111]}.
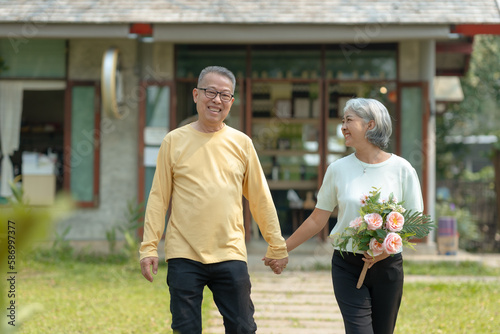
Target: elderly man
{"type": "Point", "coordinates": [204, 168]}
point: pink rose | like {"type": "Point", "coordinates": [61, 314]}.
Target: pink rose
{"type": "Point", "coordinates": [356, 223]}
{"type": "Point", "coordinates": [374, 221]}
{"type": "Point", "coordinates": [376, 248]}
{"type": "Point", "coordinates": [395, 221]}
{"type": "Point", "coordinates": [393, 243]}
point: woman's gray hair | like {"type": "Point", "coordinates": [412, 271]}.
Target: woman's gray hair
{"type": "Point", "coordinates": [373, 110]}
{"type": "Point", "coordinates": [219, 70]}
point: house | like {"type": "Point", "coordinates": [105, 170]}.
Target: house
{"type": "Point", "coordinates": [91, 87]}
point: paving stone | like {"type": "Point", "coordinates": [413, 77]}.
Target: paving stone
{"type": "Point", "coordinates": [294, 302]}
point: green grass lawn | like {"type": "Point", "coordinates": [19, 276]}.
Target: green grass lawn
{"type": "Point", "coordinates": [451, 307]}
{"type": "Point", "coordinates": [103, 296]}
{"type": "Point", "coordinates": [79, 297]}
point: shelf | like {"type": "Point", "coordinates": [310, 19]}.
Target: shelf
{"type": "Point", "coordinates": [261, 120]}
{"type": "Point", "coordinates": [286, 152]}
{"type": "Point", "coordinates": [298, 185]}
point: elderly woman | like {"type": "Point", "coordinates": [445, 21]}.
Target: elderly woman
{"type": "Point", "coordinates": [366, 126]}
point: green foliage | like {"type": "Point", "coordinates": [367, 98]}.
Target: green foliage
{"type": "Point", "coordinates": [487, 174]}
{"type": "Point", "coordinates": [22, 225]}
{"type": "Point", "coordinates": [60, 249]}
{"type": "Point", "coordinates": [417, 224]}
{"type": "Point", "coordinates": [132, 221]}
{"type": "Point", "coordinates": [477, 114]}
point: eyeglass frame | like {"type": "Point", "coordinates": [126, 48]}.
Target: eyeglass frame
{"type": "Point", "coordinates": [216, 93]}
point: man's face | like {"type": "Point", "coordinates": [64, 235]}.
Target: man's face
{"type": "Point", "coordinates": [213, 111]}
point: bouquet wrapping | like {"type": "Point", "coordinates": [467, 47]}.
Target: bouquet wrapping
{"type": "Point", "coordinates": [383, 225]}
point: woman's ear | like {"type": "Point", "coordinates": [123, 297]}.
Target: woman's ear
{"type": "Point", "coordinates": [371, 124]}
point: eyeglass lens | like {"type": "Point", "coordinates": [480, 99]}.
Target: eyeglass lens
{"type": "Point", "coordinates": [211, 94]}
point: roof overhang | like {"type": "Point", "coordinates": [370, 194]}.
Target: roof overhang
{"type": "Point", "coordinates": [41, 30]}
{"type": "Point", "coordinates": [295, 33]}
{"type": "Point", "coordinates": [453, 56]}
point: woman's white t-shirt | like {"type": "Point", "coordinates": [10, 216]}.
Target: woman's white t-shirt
{"type": "Point", "coordinates": [348, 179]}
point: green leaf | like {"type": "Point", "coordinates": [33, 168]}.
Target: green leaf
{"type": "Point", "coordinates": [381, 233]}
{"type": "Point", "coordinates": [417, 223]}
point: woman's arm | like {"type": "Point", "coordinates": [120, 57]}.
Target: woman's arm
{"type": "Point", "coordinates": [310, 227]}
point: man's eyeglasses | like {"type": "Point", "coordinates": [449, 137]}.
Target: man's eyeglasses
{"type": "Point", "coordinates": [212, 94]}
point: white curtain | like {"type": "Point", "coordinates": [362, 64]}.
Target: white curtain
{"type": "Point", "coordinates": [11, 102]}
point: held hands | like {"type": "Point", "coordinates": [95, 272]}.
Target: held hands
{"type": "Point", "coordinates": [277, 265]}
{"type": "Point", "coordinates": [372, 260]}
{"type": "Point", "coordinates": [146, 264]}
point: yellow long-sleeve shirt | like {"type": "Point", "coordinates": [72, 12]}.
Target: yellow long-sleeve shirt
{"type": "Point", "coordinates": [205, 176]}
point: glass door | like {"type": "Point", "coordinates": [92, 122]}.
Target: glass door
{"type": "Point", "coordinates": [285, 130]}
{"type": "Point", "coordinates": [284, 114]}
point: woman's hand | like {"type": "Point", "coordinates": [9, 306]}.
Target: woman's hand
{"type": "Point", "coordinates": [372, 260]}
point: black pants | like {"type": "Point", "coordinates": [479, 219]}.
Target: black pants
{"type": "Point", "coordinates": [373, 308]}
{"type": "Point", "coordinates": [230, 284]}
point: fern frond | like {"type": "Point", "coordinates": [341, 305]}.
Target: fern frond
{"type": "Point", "coordinates": [417, 224]}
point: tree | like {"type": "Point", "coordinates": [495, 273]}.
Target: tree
{"type": "Point", "coordinates": [478, 113]}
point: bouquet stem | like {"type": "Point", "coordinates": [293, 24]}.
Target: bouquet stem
{"type": "Point", "coordinates": [362, 275]}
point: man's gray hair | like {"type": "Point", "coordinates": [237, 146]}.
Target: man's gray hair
{"type": "Point", "coordinates": [219, 70]}
{"type": "Point", "coordinates": [373, 110]}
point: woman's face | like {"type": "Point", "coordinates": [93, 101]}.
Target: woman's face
{"type": "Point", "coordinates": [354, 129]}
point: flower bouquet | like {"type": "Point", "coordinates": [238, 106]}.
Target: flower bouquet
{"type": "Point", "coordinates": [383, 225]}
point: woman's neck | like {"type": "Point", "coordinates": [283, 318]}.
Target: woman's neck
{"type": "Point", "coordinates": [372, 155]}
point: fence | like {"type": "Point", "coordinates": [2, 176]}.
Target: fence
{"type": "Point", "coordinates": [480, 199]}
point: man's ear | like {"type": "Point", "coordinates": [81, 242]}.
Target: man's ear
{"type": "Point", "coordinates": [195, 95]}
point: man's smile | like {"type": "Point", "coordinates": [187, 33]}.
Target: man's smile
{"type": "Point", "coordinates": [214, 109]}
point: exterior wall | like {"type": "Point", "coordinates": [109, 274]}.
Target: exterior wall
{"type": "Point", "coordinates": [156, 61]}
{"type": "Point", "coordinates": [118, 159]}
{"type": "Point", "coordinates": [409, 61]}
{"type": "Point", "coordinates": [417, 63]}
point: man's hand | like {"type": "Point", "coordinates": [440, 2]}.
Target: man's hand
{"type": "Point", "coordinates": [146, 267]}
{"type": "Point", "coordinates": [277, 265]}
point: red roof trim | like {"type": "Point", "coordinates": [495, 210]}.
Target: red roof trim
{"type": "Point", "coordinates": [476, 29]}
{"type": "Point", "coordinates": [141, 29]}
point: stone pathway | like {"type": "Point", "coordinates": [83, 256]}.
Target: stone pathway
{"type": "Point", "coordinates": [303, 302]}
{"type": "Point", "coordinates": [301, 299]}
{"type": "Point", "coordinates": [290, 303]}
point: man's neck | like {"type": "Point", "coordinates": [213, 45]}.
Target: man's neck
{"type": "Point", "coordinates": [207, 128]}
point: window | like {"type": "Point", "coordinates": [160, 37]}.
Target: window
{"type": "Point", "coordinates": [33, 58]}
{"type": "Point", "coordinates": [82, 136]}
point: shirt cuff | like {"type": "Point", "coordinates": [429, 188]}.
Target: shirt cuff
{"type": "Point", "coordinates": [277, 252]}
{"type": "Point", "coordinates": [147, 253]}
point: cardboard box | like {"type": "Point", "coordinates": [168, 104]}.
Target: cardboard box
{"type": "Point", "coordinates": [448, 244]}
{"type": "Point", "coordinates": [39, 189]}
